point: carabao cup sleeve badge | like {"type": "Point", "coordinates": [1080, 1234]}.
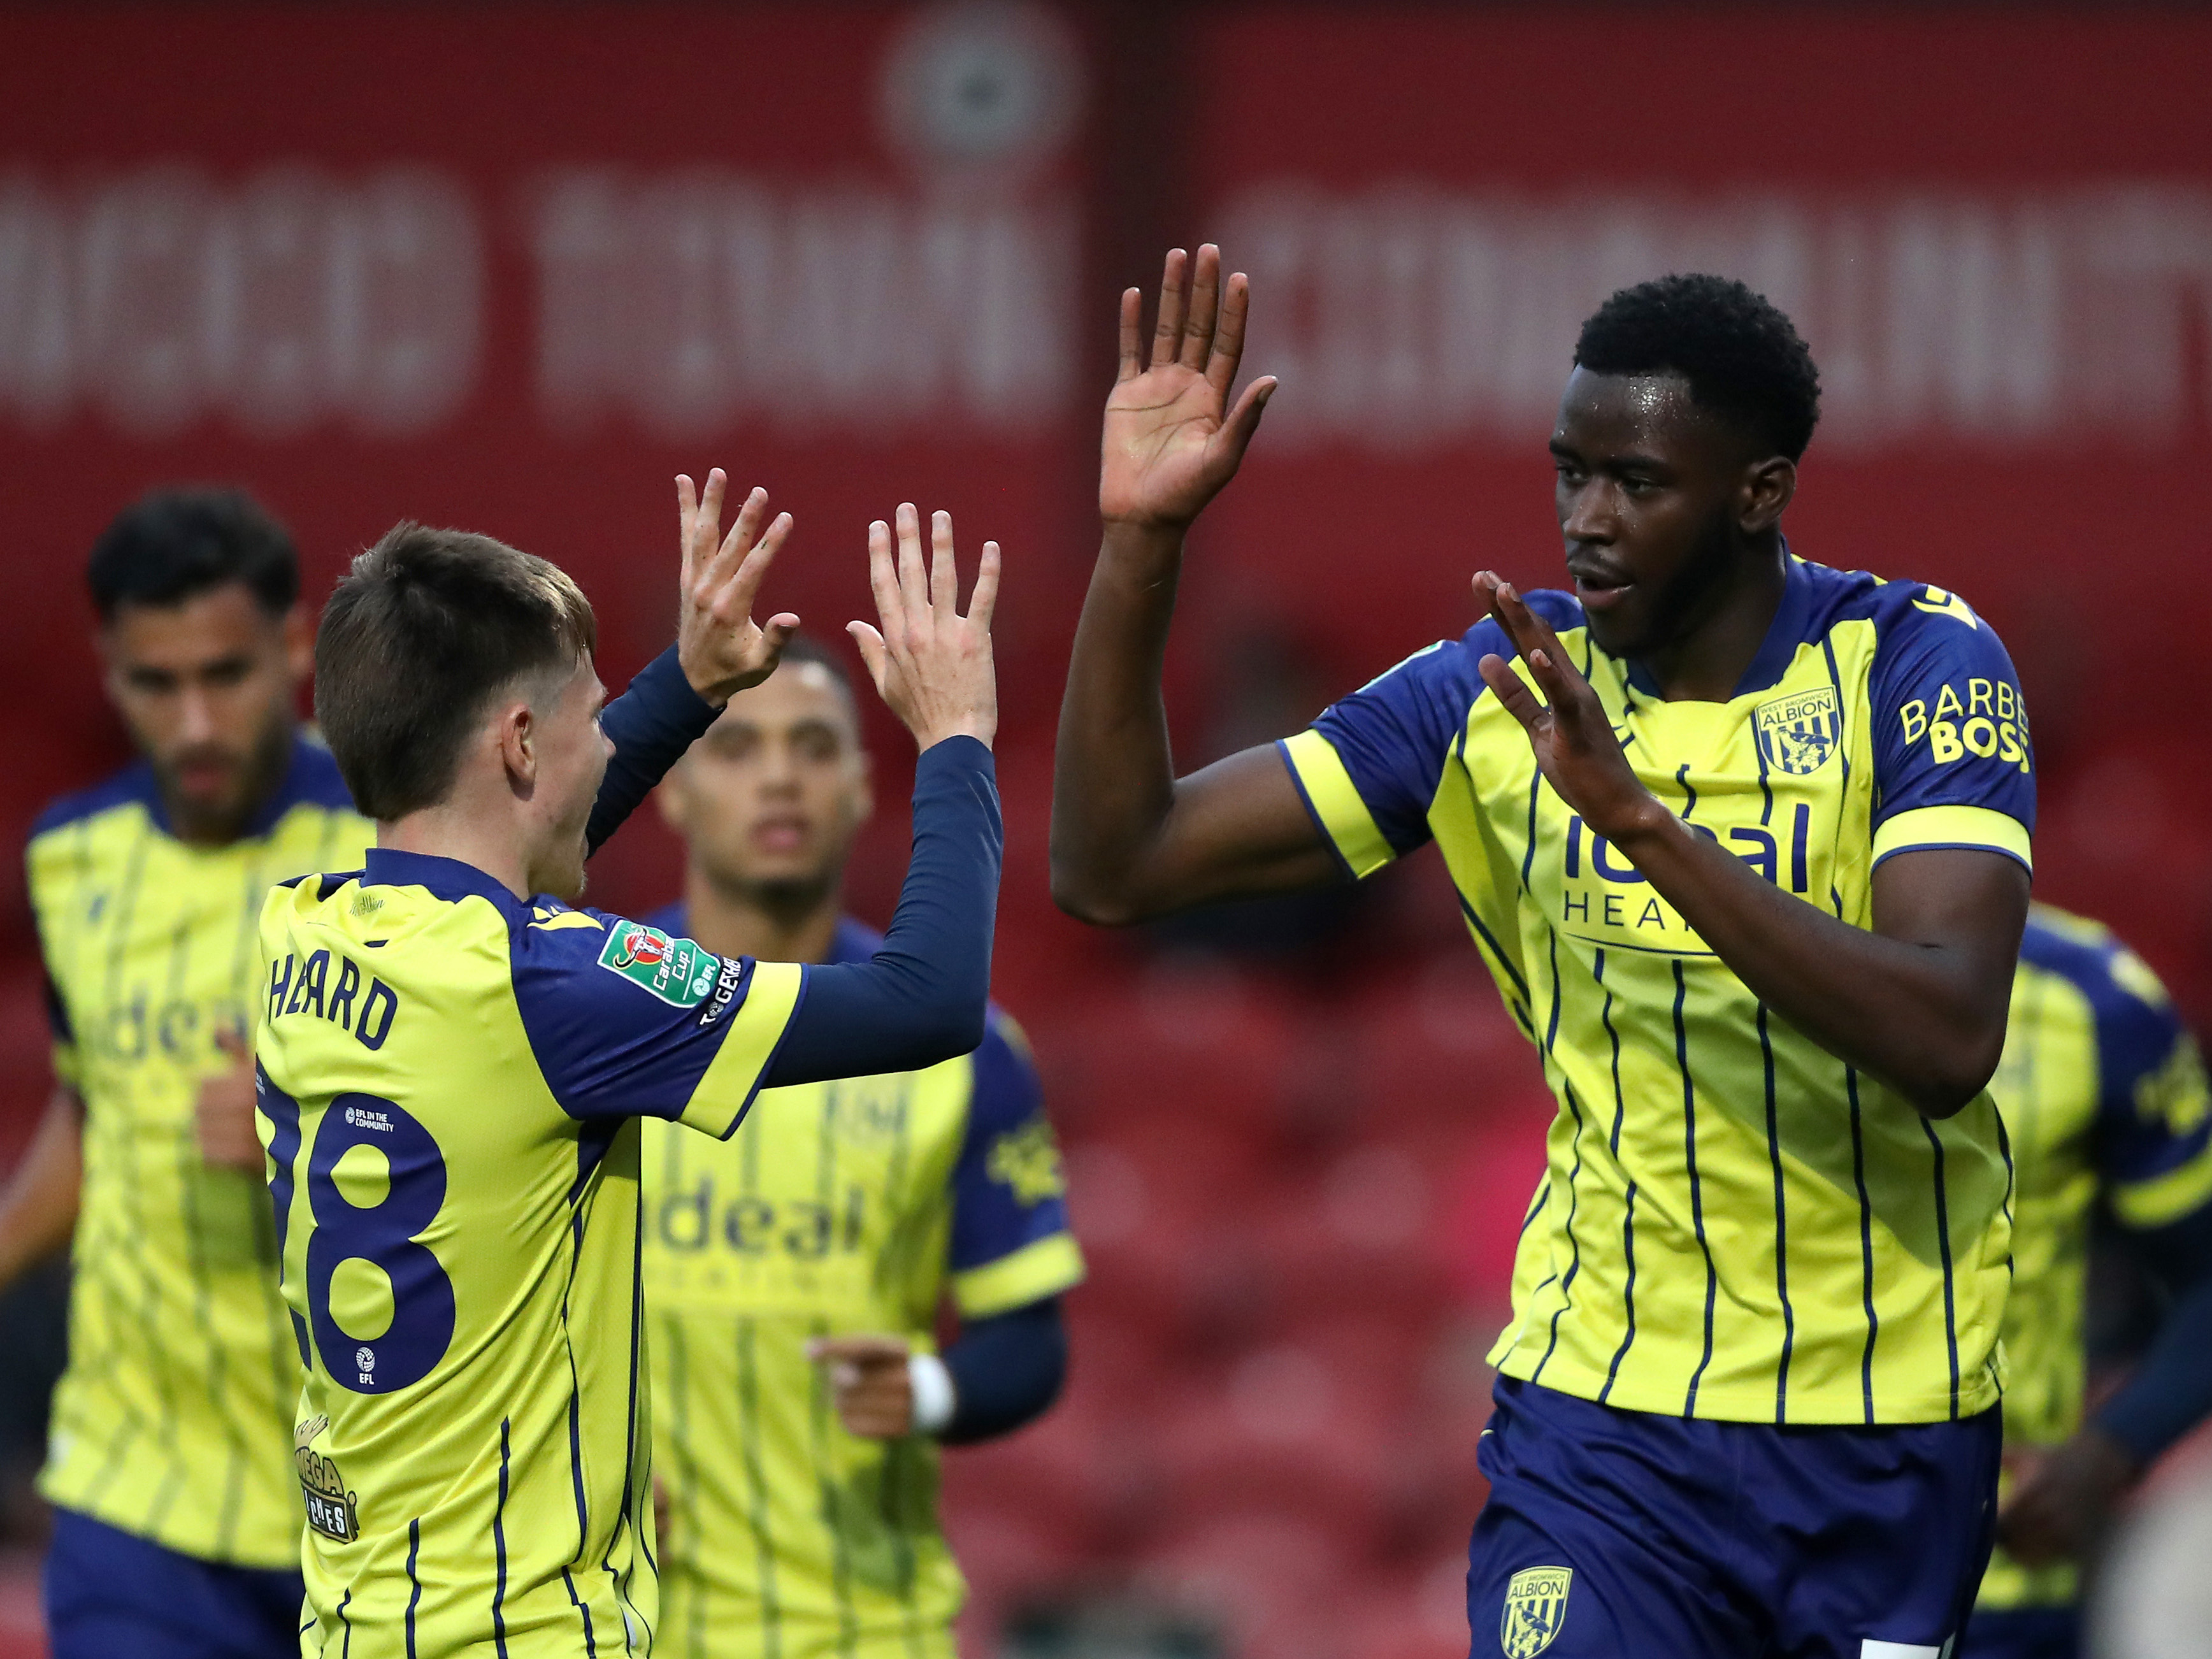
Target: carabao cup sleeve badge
{"type": "Point", "coordinates": [1797, 733]}
{"type": "Point", "coordinates": [1535, 1610]}
{"type": "Point", "coordinates": [676, 970]}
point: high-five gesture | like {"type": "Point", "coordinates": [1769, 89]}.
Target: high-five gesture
{"type": "Point", "coordinates": [1172, 440]}
{"type": "Point", "coordinates": [931, 665]}
{"type": "Point", "coordinates": [722, 650]}
{"type": "Point", "coordinates": [1569, 729]}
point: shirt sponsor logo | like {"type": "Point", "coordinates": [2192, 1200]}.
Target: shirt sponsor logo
{"type": "Point", "coordinates": [1797, 733]}
{"type": "Point", "coordinates": [1027, 1159]}
{"type": "Point", "coordinates": [331, 1509]}
{"type": "Point", "coordinates": [1535, 1610]}
{"type": "Point", "coordinates": [1984, 719]}
{"type": "Point", "coordinates": [676, 970]}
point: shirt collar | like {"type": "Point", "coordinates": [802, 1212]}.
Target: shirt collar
{"type": "Point", "coordinates": [1777, 650]}
{"type": "Point", "coordinates": [441, 877]}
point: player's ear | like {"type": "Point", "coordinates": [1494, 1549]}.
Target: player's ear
{"type": "Point", "coordinates": [299, 644]}
{"type": "Point", "coordinates": [1768, 486]}
{"type": "Point", "coordinates": [516, 733]}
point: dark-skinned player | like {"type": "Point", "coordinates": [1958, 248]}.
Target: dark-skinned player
{"type": "Point", "coordinates": [1744, 841]}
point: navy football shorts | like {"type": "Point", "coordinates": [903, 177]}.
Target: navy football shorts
{"type": "Point", "coordinates": [1616, 1535]}
{"type": "Point", "coordinates": [111, 1594]}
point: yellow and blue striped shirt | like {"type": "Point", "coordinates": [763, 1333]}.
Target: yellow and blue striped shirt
{"type": "Point", "coordinates": [836, 1208]}
{"type": "Point", "coordinates": [451, 1083]}
{"type": "Point", "coordinates": [171, 1421]}
{"type": "Point", "coordinates": [2103, 1090]}
{"type": "Point", "coordinates": [1735, 1224]}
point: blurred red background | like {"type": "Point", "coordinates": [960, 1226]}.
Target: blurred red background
{"type": "Point", "coordinates": [511, 267]}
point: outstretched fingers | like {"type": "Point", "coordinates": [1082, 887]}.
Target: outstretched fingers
{"type": "Point", "coordinates": [944, 569]}
{"type": "Point", "coordinates": [1174, 300]}
{"type": "Point", "coordinates": [1509, 689]}
{"type": "Point", "coordinates": [1133, 335]}
{"type": "Point", "coordinates": [1205, 310]}
{"type": "Point", "coordinates": [1229, 335]}
{"type": "Point", "coordinates": [984, 600]}
{"type": "Point", "coordinates": [913, 571]}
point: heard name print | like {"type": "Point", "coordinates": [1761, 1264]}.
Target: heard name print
{"type": "Point", "coordinates": [311, 989]}
{"type": "Point", "coordinates": [1984, 719]}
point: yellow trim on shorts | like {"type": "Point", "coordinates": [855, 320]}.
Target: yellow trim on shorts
{"type": "Point", "coordinates": [1953, 826]}
{"type": "Point", "coordinates": [1334, 799]}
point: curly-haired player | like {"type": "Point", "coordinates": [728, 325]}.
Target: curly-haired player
{"type": "Point", "coordinates": [1744, 842]}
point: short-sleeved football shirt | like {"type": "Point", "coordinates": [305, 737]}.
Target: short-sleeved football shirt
{"type": "Point", "coordinates": [2104, 1094]}
{"type": "Point", "coordinates": [170, 1422]}
{"type": "Point", "coordinates": [1735, 1224]}
{"type": "Point", "coordinates": [451, 1082]}
{"type": "Point", "coordinates": [836, 1207]}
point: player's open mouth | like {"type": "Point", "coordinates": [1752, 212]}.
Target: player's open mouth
{"type": "Point", "coordinates": [1599, 593]}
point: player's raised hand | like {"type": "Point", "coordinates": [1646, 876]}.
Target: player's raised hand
{"type": "Point", "coordinates": [1568, 729]}
{"type": "Point", "coordinates": [931, 665]}
{"type": "Point", "coordinates": [722, 650]}
{"type": "Point", "coordinates": [1172, 440]}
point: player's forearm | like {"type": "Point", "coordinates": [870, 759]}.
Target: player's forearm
{"type": "Point", "coordinates": [38, 1210]}
{"type": "Point", "coordinates": [1114, 769]}
{"type": "Point", "coordinates": [923, 997]}
{"type": "Point", "coordinates": [1927, 1019]}
{"type": "Point", "coordinates": [2170, 1391]}
{"type": "Point", "coordinates": [1006, 1371]}
{"type": "Point", "coordinates": [650, 725]}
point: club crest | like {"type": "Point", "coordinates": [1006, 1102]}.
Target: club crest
{"type": "Point", "coordinates": [1535, 1609]}
{"type": "Point", "coordinates": [1797, 733]}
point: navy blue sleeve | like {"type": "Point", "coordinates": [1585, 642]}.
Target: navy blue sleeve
{"type": "Point", "coordinates": [1396, 733]}
{"type": "Point", "coordinates": [2170, 1392]}
{"type": "Point", "coordinates": [1952, 755]}
{"type": "Point", "coordinates": [1009, 1245]}
{"type": "Point", "coordinates": [650, 725]}
{"type": "Point", "coordinates": [625, 1021]}
{"type": "Point", "coordinates": [922, 997]}
{"type": "Point", "coordinates": [1006, 1371]}
{"type": "Point", "coordinates": [2154, 1153]}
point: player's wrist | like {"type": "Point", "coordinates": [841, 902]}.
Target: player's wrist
{"type": "Point", "coordinates": [1637, 821]}
{"type": "Point", "coordinates": [1144, 541]}
{"type": "Point", "coordinates": [930, 1382]}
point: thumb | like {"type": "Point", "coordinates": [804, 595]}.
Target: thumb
{"type": "Point", "coordinates": [1244, 420]}
{"type": "Point", "coordinates": [873, 652]}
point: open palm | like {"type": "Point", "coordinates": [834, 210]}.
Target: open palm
{"type": "Point", "coordinates": [1171, 438]}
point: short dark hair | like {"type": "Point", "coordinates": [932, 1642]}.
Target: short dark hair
{"type": "Point", "coordinates": [803, 648]}
{"type": "Point", "coordinates": [1742, 357]}
{"type": "Point", "coordinates": [422, 633]}
{"type": "Point", "coordinates": [172, 545]}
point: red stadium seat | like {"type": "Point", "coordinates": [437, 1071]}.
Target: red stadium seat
{"type": "Point", "coordinates": [1274, 1582]}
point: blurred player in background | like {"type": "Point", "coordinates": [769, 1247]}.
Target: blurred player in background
{"type": "Point", "coordinates": [454, 1059]}
{"type": "Point", "coordinates": [177, 1523]}
{"type": "Point", "coordinates": [793, 1271]}
{"type": "Point", "coordinates": [1744, 842]}
{"type": "Point", "coordinates": [2104, 1094]}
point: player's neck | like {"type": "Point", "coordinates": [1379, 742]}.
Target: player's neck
{"type": "Point", "coordinates": [769, 927]}
{"type": "Point", "coordinates": [451, 831]}
{"type": "Point", "coordinates": [1706, 660]}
